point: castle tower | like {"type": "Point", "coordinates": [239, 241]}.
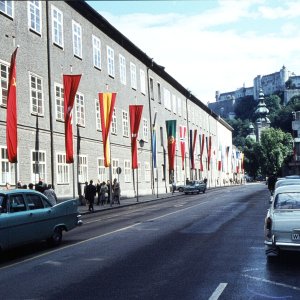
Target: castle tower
{"type": "Point", "coordinates": [262, 122]}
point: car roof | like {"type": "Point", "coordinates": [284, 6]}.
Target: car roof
{"type": "Point", "coordinates": [292, 177]}
{"type": "Point", "coordinates": [19, 191]}
{"type": "Point", "coordinates": [289, 181]}
{"type": "Point", "coordinates": [288, 189]}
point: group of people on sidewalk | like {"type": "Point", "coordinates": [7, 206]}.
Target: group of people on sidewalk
{"type": "Point", "coordinates": [46, 189]}
{"type": "Point", "coordinates": [102, 190]}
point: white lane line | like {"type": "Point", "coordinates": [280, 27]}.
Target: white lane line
{"type": "Point", "coordinates": [218, 291]}
{"type": "Point", "coordinates": [273, 282]}
{"type": "Point", "coordinates": [96, 237]}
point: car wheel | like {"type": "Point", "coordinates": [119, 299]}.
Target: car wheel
{"type": "Point", "coordinates": [186, 193]}
{"type": "Point", "coordinates": [203, 191]}
{"type": "Point", "coordinates": [56, 237]}
{"type": "Point", "coordinates": [180, 189]}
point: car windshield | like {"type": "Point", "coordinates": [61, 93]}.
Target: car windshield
{"type": "Point", "coordinates": [287, 201]}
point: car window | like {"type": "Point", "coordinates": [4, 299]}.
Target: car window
{"type": "Point", "coordinates": [16, 203]}
{"type": "Point", "coordinates": [3, 204]}
{"type": "Point", "coordinates": [287, 201]}
{"type": "Point", "coordinates": [34, 201]}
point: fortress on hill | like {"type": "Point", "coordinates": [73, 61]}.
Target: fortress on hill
{"type": "Point", "coordinates": [283, 81]}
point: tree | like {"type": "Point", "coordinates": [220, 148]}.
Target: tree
{"type": "Point", "coordinates": [274, 106]}
{"type": "Point", "coordinates": [245, 107]}
{"type": "Point", "coordinates": [276, 145]}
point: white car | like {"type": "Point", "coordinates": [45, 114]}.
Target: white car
{"type": "Point", "coordinates": [282, 223]}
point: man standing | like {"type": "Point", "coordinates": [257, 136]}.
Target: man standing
{"type": "Point", "coordinates": [90, 195]}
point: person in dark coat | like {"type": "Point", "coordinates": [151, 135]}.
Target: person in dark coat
{"type": "Point", "coordinates": [90, 195]}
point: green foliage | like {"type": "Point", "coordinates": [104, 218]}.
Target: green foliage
{"type": "Point", "coordinates": [245, 107]}
{"type": "Point", "coordinates": [254, 157]}
{"type": "Point", "coordinates": [276, 145]}
{"type": "Point", "coordinates": [241, 130]}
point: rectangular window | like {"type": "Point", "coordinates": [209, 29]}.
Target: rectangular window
{"type": "Point", "coordinates": [82, 168]}
{"type": "Point", "coordinates": [96, 52]}
{"type": "Point", "coordinates": [179, 106]}
{"type": "Point", "coordinates": [114, 123]}
{"type": "Point", "coordinates": [110, 61]}
{"type": "Point", "coordinates": [36, 95]}
{"type": "Point", "coordinates": [59, 102]}
{"type": "Point", "coordinates": [145, 129]}
{"type": "Point", "coordinates": [133, 75]}
{"type": "Point", "coordinates": [159, 92]}
{"type": "Point", "coordinates": [184, 109]}
{"type": "Point", "coordinates": [174, 102]}
{"type": "Point", "coordinates": [115, 165]}
{"type": "Point", "coordinates": [7, 169]}
{"type": "Point", "coordinates": [122, 63]}
{"type": "Point", "coordinates": [38, 166]}
{"type": "Point", "coordinates": [127, 171]}
{"type": "Point", "coordinates": [34, 16]}
{"type": "Point", "coordinates": [147, 172]}
{"type": "Point", "coordinates": [151, 89]}
{"type": "Point", "coordinates": [125, 123]}
{"type": "Point", "coordinates": [57, 27]}
{"type": "Point", "coordinates": [143, 81]}
{"type": "Point", "coordinates": [77, 39]}
{"type": "Point", "coordinates": [101, 170]}
{"type": "Point", "coordinates": [7, 7]}
{"type": "Point", "coordinates": [167, 99]}
{"type": "Point", "coordinates": [80, 111]}
{"type": "Point", "coordinates": [98, 117]}
{"type": "Point", "coordinates": [4, 83]}
{"type": "Point", "coordinates": [62, 169]}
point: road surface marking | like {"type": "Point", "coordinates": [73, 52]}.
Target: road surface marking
{"type": "Point", "coordinates": [96, 237]}
{"type": "Point", "coordinates": [273, 282]}
{"type": "Point", "coordinates": [218, 291]}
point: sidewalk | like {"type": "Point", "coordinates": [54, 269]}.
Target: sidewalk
{"type": "Point", "coordinates": [84, 209]}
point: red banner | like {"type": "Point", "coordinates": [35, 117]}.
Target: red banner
{"type": "Point", "coordinates": [107, 104]}
{"type": "Point", "coordinates": [209, 153]}
{"type": "Point", "coordinates": [71, 83]}
{"type": "Point", "coordinates": [11, 112]}
{"type": "Point", "coordinates": [182, 134]}
{"type": "Point", "coordinates": [193, 149]}
{"type": "Point", "coordinates": [171, 135]}
{"type": "Point", "coordinates": [135, 113]}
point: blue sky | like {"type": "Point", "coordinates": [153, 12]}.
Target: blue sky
{"type": "Point", "coordinates": [210, 45]}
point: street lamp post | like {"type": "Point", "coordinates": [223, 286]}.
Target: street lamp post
{"type": "Point", "coordinates": [141, 143]}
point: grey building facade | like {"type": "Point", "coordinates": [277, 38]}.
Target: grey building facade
{"type": "Point", "coordinates": [69, 37]}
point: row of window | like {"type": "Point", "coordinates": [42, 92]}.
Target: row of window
{"type": "Point", "coordinates": [38, 168]}
{"type": "Point", "coordinates": [35, 24]}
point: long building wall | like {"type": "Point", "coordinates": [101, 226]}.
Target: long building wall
{"type": "Point", "coordinates": [41, 62]}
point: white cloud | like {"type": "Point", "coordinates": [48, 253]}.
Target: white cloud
{"type": "Point", "coordinates": [210, 51]}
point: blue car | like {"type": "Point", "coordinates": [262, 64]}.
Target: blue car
{"type": "Point", "coordinates": [27, 216]}
{"type": "Point", "coordinates": [195, 186]}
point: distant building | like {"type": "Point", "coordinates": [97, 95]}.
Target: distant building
{"type": "Point", "coordinates": [283, 81]}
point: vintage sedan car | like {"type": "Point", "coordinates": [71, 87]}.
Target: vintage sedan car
{"type": "Point", "coordinates": [283, 182]}
{"type": "Point", "coordinates": [195, 186]}
{"type": "Point", "coordinates": [282, 223]}
{"type": "Point", "coordinates": [27, 216]}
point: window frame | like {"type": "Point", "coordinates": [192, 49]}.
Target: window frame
{"type": "Point", "coordinates": [9, 174]}
{"type": "Point", "coordinates": [77, 39]}
{"type": "Point", "coordinates": [133, 79]}
{"type": "Point", "coordinates": [83, 168]}
{"type": "Point", "coordinates": [125, 123]}
{"type": "Point", "coordinates": [61, 104]}
{"type": "Point", "coordinates": [101, 169]}
{"type": "Point", "coordinates": [4, 81]}
{"type": "Point", "coordinates": [5, 12]}
{"type": "Point", "coordinates": [57, 26]}
{"type": "Point", "coordinates": [145, 130]}
{"type": "Point", "coordinates": [37, 91]}
{"type": "Point", "coordinates": [143, 81]}
{"type": "Point", "coordinates": [98, 115]}
{"type": "Point", "coordinates": [114, 122]}
{"type": "Point", "coordinates": [41, 164]}
{"type": "Point", "coordinates": [96, 42]}
{"type": "Point", "coordinates": [122, 64]}
{"type": "Point", "coordinates": [32, 4]}
{"type": "Point", "coordinates": [65, 179]}
{"type": "Point", "coordinates": [110, 52]}
{"type": "Point", "coordinates": [127, 171]}
{"type": "Point", "coordinates": [80, 109]}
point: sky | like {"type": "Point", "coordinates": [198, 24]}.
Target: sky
{"type": "Point", "coordinates": [211, 45]}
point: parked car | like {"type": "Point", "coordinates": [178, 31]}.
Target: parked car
{"type": "Point", "coordinates": [282, 223]}
{"type": "Point", "coordinates": [195, 186]}
{"type": "Point", "coordinates": [27, 216]}
{"type": "Point", "coordinates": [180, 188]}
{"type": "Point", "coordinates": [285, 181]}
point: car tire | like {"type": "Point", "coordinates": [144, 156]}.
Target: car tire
{"type": "Point", "coordinates": [186, 193]}
{"type": "Point", "coordinates": [180, 189]}
{"type": "Point", "coordinates": [56, 237]}
{"type": "Point", "coordinates": [204, 191]}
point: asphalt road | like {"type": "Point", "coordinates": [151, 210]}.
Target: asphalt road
{"type": "Point", "coordinates": [207, 246]}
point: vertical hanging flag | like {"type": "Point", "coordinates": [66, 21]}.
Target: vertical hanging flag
{"type": "Point", "coordinates": [201, 140]}
{"type": "Point", "coordinates": [135, 113]}
{"type": "Point", "coordinates": [192, 147]}
{"type": "Point", "coordinates": [154, 147]}
{"type": "Point", "coordinates": [107, 103]}
{"type": "Point", "coordinates": [208, 145]}
{"type": "Point", "coordinates": [71, 83]}
{"type": "Point", "coordinates": [182, 134]}
{"type": "Point", "coordinates": [171, 135]}
{"type": "Point", "coordinates": [11, 112]}
{"type": "Point", "coordinates": [220, 158]}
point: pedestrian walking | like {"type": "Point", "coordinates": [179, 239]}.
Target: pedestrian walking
{"type": "Point", "coordinates": [108, 191]}
{"type": "Point", "coordinates": [98, 187]}
{"type": "Point", "coordinates": [116, 191]}
{"type": "Point", "coordinates": [103, 193]}
{"type": "Point", "coordinates": [50, 194]}
{"type": "Point", "coordinates": [90, 195]}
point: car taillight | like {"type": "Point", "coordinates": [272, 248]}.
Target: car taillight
{"type": "Point", "coordinates": [268, 226]}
